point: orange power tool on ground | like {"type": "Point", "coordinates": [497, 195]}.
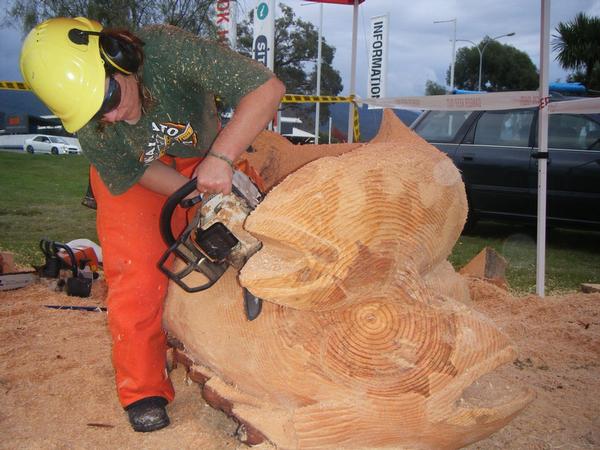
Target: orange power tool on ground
{"type": "Point", "coordinates": [81, 257]}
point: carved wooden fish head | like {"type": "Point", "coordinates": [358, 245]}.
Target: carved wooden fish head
{"type": "Point", "coordinates": [351, 223]}
{"type": "Point", "coordinates": [365, 339]}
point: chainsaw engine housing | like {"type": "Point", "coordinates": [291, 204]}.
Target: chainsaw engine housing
{"type": "Point", "coordinates": [215, 239]}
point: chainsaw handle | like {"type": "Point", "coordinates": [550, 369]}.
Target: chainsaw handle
{"type": "Point", "coordinates": [69, 251]}
{"type": "Point", "coordinates": [45, 247]}
{"type": "Point", "coordinates": [168, 208]}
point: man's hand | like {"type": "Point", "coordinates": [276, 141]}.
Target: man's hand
{"type": "Point", "coordinates": [252, 114]}
{"type": "Point", "coordinates": [214, 176]}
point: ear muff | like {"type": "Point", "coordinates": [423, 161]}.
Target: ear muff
{"type": "Point", "coordinates": [119, 54]}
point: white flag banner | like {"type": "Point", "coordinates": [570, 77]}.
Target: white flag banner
{"type": "Point", "coordinates": [225, 19]}
{"type": "Point", "coordinates": [489, 101]}
{"type": "Point", "coordinates": [579, 106]}
{"type": "Point", "coordinates": [263, 45]}
{"type": "Point", "coordinates": [378, 51]}
{"type": "Point", "coordinates": [464, 102]}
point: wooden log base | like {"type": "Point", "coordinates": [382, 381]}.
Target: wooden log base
{"type": "Point", "coordinates": [245, 432]}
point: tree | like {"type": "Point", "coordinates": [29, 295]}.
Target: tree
{"type": "Point", "coordinates": [578, 48]}
{"type": "Point", "coordinates": [504, 68]}
{"type": "Point", "coordinates": [433, 88]}
{"type": "Point", "coordinates": [192, 15]}
{"type": "Point", "coordinates": [295, 47]}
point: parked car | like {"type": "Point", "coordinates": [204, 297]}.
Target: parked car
{"type": "Point", "coordinates": [54, 145]}
{"type": "Point", "coordinates": [496, 152]}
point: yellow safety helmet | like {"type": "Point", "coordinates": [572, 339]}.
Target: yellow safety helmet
{"type": "Point", "coordinates": [64, 68]}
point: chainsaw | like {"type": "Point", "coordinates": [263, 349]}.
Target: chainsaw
{"type": "Point", "coordinates": [214, 240]}
{"type": "Point", "coordinates": [80, 257]}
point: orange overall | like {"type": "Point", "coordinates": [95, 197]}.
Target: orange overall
{"type": "Point", "coordinates": [128, 229]}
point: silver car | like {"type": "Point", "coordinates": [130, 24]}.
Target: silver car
{"type": "Point", "coordinates": [53, 145]}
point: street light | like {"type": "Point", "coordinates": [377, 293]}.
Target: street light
{"type": "Point", "coordinates": [481, 50]}
{"type": "Point", "coordinates": [453, 51]}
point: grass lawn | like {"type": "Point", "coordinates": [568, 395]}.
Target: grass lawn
{"type": "Point", "coordinates": [40, 196]}
{"type": "Point", "coordinates": [572, 256]}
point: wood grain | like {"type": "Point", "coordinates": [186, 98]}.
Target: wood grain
{"type": "Point", "coordinates": [366, 338]}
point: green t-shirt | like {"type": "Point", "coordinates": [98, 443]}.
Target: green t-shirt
{"type": "Point", "coordinates": [183, 73]}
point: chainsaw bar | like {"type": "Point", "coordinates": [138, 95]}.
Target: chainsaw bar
{"type": "Point", "coordinates": [243, 187]}
{"type": "Point", "coordinates": [17, 280]}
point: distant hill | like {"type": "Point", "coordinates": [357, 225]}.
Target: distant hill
{"type": "Point", "coordinates": [370, 119]}
{"type": "Point", "coordinates": [21, 102]}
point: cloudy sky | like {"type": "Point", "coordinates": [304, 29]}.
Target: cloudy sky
{"type": "Point", "coordinates": [419, 49]}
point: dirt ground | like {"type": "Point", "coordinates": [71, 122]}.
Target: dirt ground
{"type": "Point", "coordinates": [56, 379]}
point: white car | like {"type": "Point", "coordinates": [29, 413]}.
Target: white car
{"type": "Point", "coordinates": [54, 145]}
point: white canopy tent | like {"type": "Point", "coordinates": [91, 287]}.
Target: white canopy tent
{"type": "Point", "coordinates": [355, 4]}
{"type": "Point", "coordinates": [510, 100]}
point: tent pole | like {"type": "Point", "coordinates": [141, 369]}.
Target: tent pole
{"type": "Point", "coordinates": [353, 72]}
{"type": "Point", "coordinates": [542, 148]}
{"type": "Point", "coordinates": [319, 57]}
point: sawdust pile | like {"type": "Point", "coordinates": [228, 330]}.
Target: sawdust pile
{"type": "Point", "coordinates": [56, 380]}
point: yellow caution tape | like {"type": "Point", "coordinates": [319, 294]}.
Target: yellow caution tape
{"type": "Point", "coordinates": [356, 125]}
{"type": "Point", "coordinates": [14, 85]}
{"type": "Point", "coordinates": [294, 98]}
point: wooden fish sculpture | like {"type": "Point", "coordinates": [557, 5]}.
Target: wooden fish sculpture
{"type": "Point", "coordinates": [366, 338]}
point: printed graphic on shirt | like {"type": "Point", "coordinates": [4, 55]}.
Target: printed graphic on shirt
{"type": "Point", "coordinates": [164, 135]}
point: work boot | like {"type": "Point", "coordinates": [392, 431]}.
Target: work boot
{"type": "Point", "coordinates": [148, 414]}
